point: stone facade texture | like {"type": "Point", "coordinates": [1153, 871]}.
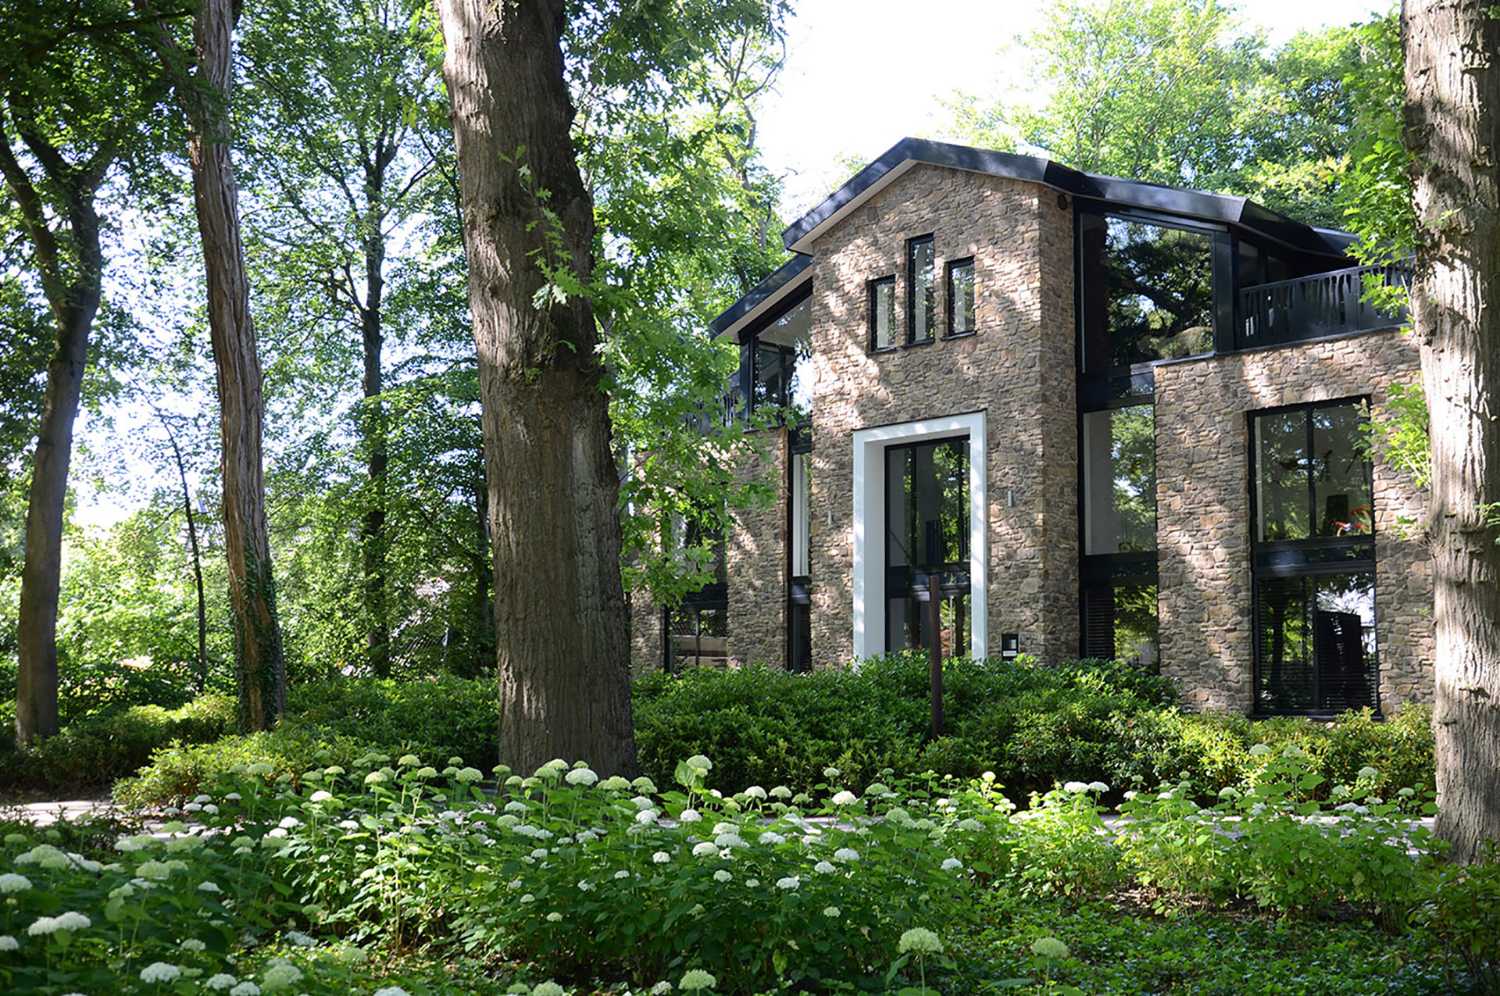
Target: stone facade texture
{"type": "Point", "coordinates": [756, 555]}
{"type": "Point", "coordinates": [1203, 513]}
{"type": "Point", "coordinates": [1017, 368]}
{"type": "Point", "coordinates": [645, 633]}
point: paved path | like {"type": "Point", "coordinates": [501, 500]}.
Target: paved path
{"type": "Point", "coordinates": [47, 813]}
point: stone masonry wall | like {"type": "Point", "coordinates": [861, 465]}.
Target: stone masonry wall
{"type": "Point", "coordinates": [645, 633]}
{"type": "Point", "coordinates": [1018, 368]}
{"type": "Point", "coordinates": [756, 555]}
{"type": "Point", "coordinates": [1203, 513]}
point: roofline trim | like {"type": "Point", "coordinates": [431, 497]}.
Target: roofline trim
{"type": "Point", "coordinates": [763, 298]}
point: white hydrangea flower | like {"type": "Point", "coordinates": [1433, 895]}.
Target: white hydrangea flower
{"type": "Point", "coordinates": [661, 989]}
{"type": "Point", "coordinates": [1075, 788]}
{"type": "Point", "coordinates": [548, 989]}
{"type": "Point", "coordinates": [789, 883]}
{"type": "Point", "coordinates": [771, 837]}
{"type": "Point", "coordinates": [832, 912]}
{"type": "Point", "coordinates": [581, 776]}
{"type": "Point", "coordinates": [830, 772]}
{"type": "Point", "coordinates": [722, 876]}
{"type": "Point", "coordinates": [824, 868]}
{"type": "Point", "coordinates": [554, 917]}
{"type": "Point", "coordinates": [1099, 787]}
{"type": "Point", "coordinates": [160, 971]}
{"type": "Point", "coordinates": [1260, 750]}
{"type": "Point", "coordinates": [646, 817]}
{"type": "Point", "coordinates": [844, 798]}
{"type": "Point", "coordinates": [192, 944]}
{"type": "Point", "coordinates": [952, 864]}
{"type": "Point", "coordinates": [300, 939]}
{"type": "Point", "coordinates": [321, 795]}
{"type": "Point", "coordinates": [219, 982]}
{"type": "Point", "coordinates": [755, 792]}
{"type": "Point", "coordinates": [8, 943]}
{"type": "Point", "coordinates": [391, 991]}
{"type": "Point", "coordinates": [919, 940]}
{"type": "Point", "coordinates": [689, 816]}
{"type": "Point", "coordinates": [752, 883]}
{"type": "Point", "coordinates": [1368, 772]}
{"type": "Point", "coordinates": [644, 785]}
{"type": "Point", "coordinates": [246, 988]}
{"type": "Point", "coordinates": [11, 882]}
{"type": "Point", "coordinates": [622, 873]}
{"type": "Point", "coordinates": [704, 848]}
{"type": "Point", "coordinates": [468, 775]}
{"type": "Point", "coordinates": [696, 979]}
{"type": "Point", "coordinates": [846, 854]}
{"type": "Point", "coordinates": [700, 763]}
{"type": "Point", "coordinates": [781, 792]}
{"type": "Point", "coordinates": [730, 840]}
{"type": "Point", "coordinates": [661, 857]}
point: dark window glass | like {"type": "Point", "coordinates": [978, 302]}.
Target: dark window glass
{"type": "Point", "coordinates": [1148, 291]}
{"type": "Point", "coordinates": [920, 306]}
{"type": "Point", "coordinates": [1315, 642]}
{"type": "Point", "coordinates": [774, 368]}
{"type": "Point", "coordinates": [883, 313]}
{"type": "Point", "coordinates": [1120, 622]}
{"type": "Point", "coordinates": [781, 349]}
{"type": "Point", "coordinates": [927, 533]}
{"type": "Point", "coordinates": [908, 626]}
{"type": "Point", "coordinates": [1119, 475]}
{"type": "Point", "coordinates": [1312, 473]}
{"type": "Point", "coordinates": [961, 297]}
{"type": "Point", "coordinates": [698, 636]}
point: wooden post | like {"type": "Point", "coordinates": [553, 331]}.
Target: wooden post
{"type": "Point", "coordinates": [935, 618]}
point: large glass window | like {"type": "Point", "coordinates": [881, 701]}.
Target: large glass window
{"type": "Point", "coordinates": [1119, 480]}
{"type": "Point", "coordinates": [781, 349]}
{"type": "Point", "coordinates": [1314, 559]}
{"type": "Point", "coordinates": [927, 535]}
{"type": "Point", "coordinates": [921, 300]}
{"type": "Point", "coordinates": [961, 297]}
{"type": "Point", "coordinates": [1148, 291]}
{"type": "Point", "coordinates": [883, 313]}
{"type": "Point", "coordinates": [1120, 621]}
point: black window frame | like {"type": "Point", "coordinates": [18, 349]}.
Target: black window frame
{"type": "Point", "coordinates": [872, 290]}
{"type": "Point", "coordinates": [1308, 558]}
{"type": "Point", "coordinates": [911, 290]}
{"type": "Point", "coordinates": [954, 580]}
{"type": "Point", "coordinates": [798, 586]}
{"type": "Point", "coordinates": [949, 267]}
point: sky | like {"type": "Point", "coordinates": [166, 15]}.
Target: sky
{"type": "Point", "coordinates": [861, 74]}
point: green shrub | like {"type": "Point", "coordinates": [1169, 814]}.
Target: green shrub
{"type": "Point", "coordinates": [1462, 918]}
{"type": "Point", "coordinates": [91, 753]}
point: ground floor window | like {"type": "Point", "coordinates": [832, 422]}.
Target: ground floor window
{"type": "Point", "coordinates": [696, 633]}
{"type": "Point", "coordinates": [1313, 558]}
{"type": "Point", "coordinates": [1120, 622]}
{"type": "Point", "coordinates": [927, 535]}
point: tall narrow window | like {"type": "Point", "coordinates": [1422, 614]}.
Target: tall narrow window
{"type": "Point", "coordinates": [921, 299]}
{"type": "Point", "coordinates": [801, 513]}
{"type": "Point", "coordinates": [1119, 534]}
{"type": "Point", "coordinates": [799, 592]}
{"type": "Point", "coordinates": [1314, 559]}
{"type": "Point", "coordinates": [883, 313]}
{"type": "Point", "coordinates": [961, 296]}
{"type": "Point", "coordinates": [927, 534]}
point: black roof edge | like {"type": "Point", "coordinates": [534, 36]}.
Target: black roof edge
{"type": "Point", "coordinates": [1223, 208]}
{"type": "Point", "coordinates": [783, 275]}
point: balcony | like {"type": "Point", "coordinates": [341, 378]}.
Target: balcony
{"type": "Point", "coordinates": [1324, 304]}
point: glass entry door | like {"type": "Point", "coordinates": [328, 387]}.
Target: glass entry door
{"type": "Point", "coordinates": [927, 534]}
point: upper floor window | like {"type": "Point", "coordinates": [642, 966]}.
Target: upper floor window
{"type": "Point", "coordinates": [920, 304]}
{"type": "Point", "coordinates": [779, 376]}
{"type": "Point", "coordinates": [1313, 476]}
{"type": "Point", "coordinates": [883, 313]}
{"type": "Point", "coordinates": [1148, 291]}
{"type": "Point", "coordinates": [1119, 480]}
{"type": "Point", "coordinates": [961, 296]}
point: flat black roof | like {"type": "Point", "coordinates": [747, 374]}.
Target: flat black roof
{"type": "Point", "coordinates": [1238, 211]}
{"type": "Point", "coordinates": [784, 274]}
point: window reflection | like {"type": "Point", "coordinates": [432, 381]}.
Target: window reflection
{"type": "Point", "coordinates": [1119, 467]}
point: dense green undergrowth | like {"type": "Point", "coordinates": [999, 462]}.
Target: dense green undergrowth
{"type": "Point", "coordinates": [390, 873]}
{"type": "Point", "coordinates": [1033, 726]}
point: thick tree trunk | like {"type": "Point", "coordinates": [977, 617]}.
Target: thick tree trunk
{"type": "Point", "coordinates": [561, 643]}
{"type": "Point", "coordinates": [372, 422]}
{"type": "Point", "coordinates": [257, 634]}
{"type": "Point", "coordinates": [71, 280]}
{"type": "Point", "coordinates": [1453, 131]}
{"type": "Point", "coordinates": [36, 676]}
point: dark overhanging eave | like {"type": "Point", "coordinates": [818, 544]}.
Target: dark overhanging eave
{"type": "Point", "coordinates": [785, 274]}
{"type": "Point", "coordinates": [1237, 211]}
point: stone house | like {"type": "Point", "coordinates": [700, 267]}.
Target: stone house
{"type": "Point", "coordinates": [1097, 417]}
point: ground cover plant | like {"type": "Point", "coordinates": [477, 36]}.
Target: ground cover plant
{"type": "Point", "coordinates": [389, 872]}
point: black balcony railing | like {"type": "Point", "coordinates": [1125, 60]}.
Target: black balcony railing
{"type": "Point", "coordinates": [1309, 307]}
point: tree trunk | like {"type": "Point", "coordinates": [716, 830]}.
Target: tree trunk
{"type": "Point", "coordinates": [1452, 127]}
{"type": "Point", "coordinates": [257, 635]}
{"type": "Point", "coordinates": [561, 642]}
{"type": "Point", "coordinates": [372, 423]}
{"type": "Point", "coordinates": [72, 288]}
{"type": "Point", "coordinates": [201, 678]}
{"type": "Point", "coordinates": [36, 676]}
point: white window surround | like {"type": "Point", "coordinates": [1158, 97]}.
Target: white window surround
{"type": "Point", "coordinates": [869, 524]}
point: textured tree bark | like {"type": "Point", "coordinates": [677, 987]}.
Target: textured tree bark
{"type": "Point", "coordinates": [260, 667]}
{"type": "Point", "coordinates": [562, 648]}
{"type": "Point", "coordinates": [201, 679]}
{"type": "Point", "coordinates": [71, 280]}
{"type": "Point", "coordinates": [1452, 127]}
